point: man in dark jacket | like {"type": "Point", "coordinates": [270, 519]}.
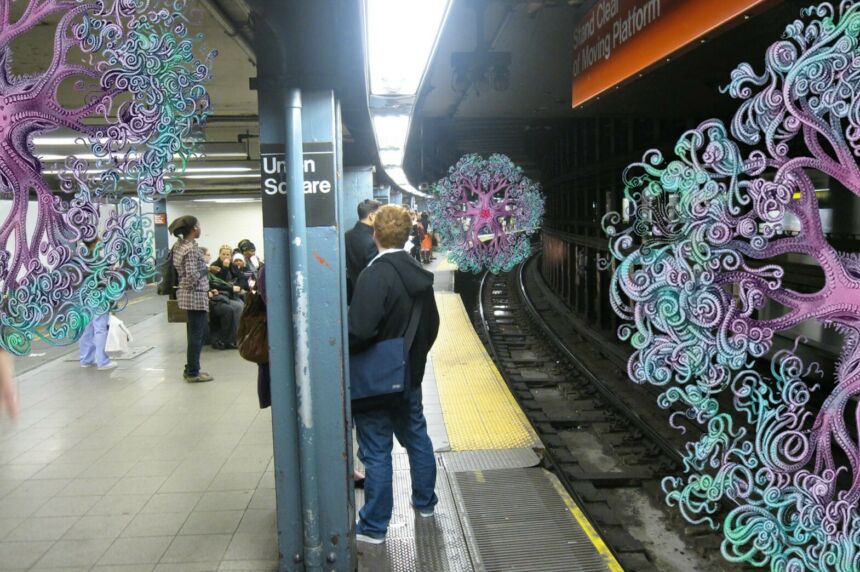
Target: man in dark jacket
{"type": "Point", "coordinates": [384, 297]}
{"type": "Point", "coordinates": [360, 248]}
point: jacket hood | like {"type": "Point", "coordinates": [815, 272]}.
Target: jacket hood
{"type": "Point", "coordinates": [416, 279]}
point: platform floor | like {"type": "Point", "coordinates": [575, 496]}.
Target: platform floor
{"type": "Point", "coordinates": [136, 470]}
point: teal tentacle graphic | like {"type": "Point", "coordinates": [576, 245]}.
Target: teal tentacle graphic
{"type": "Point", "coordinates": [141, 96]}
{"type": "Point", "coordinates": [698, 264]}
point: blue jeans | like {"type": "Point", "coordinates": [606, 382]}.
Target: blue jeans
{"type": "Point", "coordinates": [198, 322]}
{"type": "Point", "coordinates": [375, 430]}
{"type": "Point", "coordinates": [93, 341]}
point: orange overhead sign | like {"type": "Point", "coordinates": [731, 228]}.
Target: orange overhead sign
{"type": "Point", "coordinates": [619, 38]}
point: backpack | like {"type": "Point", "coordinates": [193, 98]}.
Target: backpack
{"type": "Point", "coordinates": [253, 337]}
{"type": "Point", "coordinates": [169, 278]}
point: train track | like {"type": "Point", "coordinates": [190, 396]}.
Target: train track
{"type": "Point", "coordinates": [605, 437]}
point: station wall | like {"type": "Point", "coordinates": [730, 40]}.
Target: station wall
{"type": "Point", "coordinates": [222, 223]}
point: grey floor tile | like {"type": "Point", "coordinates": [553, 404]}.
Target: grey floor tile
{"type": "Point", "coordinates": [188, 567]}
{"type": "Point", "coordinates": [263, 499]}
{"type": "Point", "coordinates": [119, 504]}
{"type": "Point", "coordinates": [17, 472]}
{"type": "Point", "coordinates": [41, 528]}
{"type": "Point", "coordinates": [75, 553]}
{"type": "Point", "coordinates": [20, 507]}
{"type": "Point", "coordinates": [235, 481]}
{"type": "Point", "coordinates": [212, 522]}
{"type": "Point", "coordinates": [248, 566]}
{"type": "Point", "coordinates": [186, 482]}
{"type": "Point", "coordinates": [102, 526]}
{"type": "Point", "coordinates": [252, 547]}
{"type": "Point", "coordinates": [262, 522]}
{"type": "Point", "coordinates": [42, 488]}
{"type": "Point", "coordinates": [21, 554]}
{"type": "Point", "coordinates": [224, 500]}
{"type": "Point", "coordinates": [7, 525]}
{"type": "Point", "coordinates": [153, 468]}
{"type": "Point", "coordinates": [58, 470]}
{"type": "Point", "coordinates": [155, 524]}
{"type": "Point", "coordinates": [136, 550]}
{"type": "Point", "coordinates": [201, 548]}
{"type": "Point", "coordinates": [124, 568]}
{"type": "Point", "coordinates": [137, 486]}
{"type": "Point", "coordinates": [172, 502]}
{"type": "Point", "coordinates": [89, 486]}
{"type": "Point", "coordinates": [68, 506]}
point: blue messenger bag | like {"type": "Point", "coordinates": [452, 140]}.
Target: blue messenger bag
{"type": "Point", "coordinates": [382, 370]}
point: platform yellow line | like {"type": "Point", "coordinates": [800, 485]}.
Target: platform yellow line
{"type": "Point", "coordinates": [478, 408]}
{"type": "Point", "coordinates": [586, 525]}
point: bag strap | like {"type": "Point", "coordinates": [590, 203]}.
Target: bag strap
{"type": "Point", "coordinates": [414, 316]}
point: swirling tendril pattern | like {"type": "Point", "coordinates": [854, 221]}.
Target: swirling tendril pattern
{"type": "Point", "coordinates": [141, 79]}
{"type": "Point", "coordinates": [486, 197]}
{"type": "Point", "coordinates": [693, 270]}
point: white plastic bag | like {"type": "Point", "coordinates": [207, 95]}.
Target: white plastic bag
{"type": "Point", "coordinates": [118, 337]}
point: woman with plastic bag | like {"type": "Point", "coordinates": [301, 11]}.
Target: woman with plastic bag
{"type": "Point", "coordinates": [94, 338]}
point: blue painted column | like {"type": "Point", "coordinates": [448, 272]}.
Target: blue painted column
{"type": "Point", "coordinates": [396, 197]}
{"type": "Point", "coordinates": [357, 187]}
{"type": "Point", "coordinates": [323, 175]}
{"type": "Point", "coordinates": [279, 308]}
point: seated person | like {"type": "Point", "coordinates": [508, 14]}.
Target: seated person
{"type": "Point", "coordinates": [226, 306]}
{"type": "Point", "coordinates": [222, 267]}
{"type": "Point", "coordinates": [243, 276]}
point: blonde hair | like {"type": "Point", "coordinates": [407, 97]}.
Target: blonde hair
{"type": "Point", "coordinates": [391, 226]}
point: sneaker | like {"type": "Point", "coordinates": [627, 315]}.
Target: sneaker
{"type": "Point", "coordinates": [369, 539]}
{"type": "Point", "coordinates": [108, 365]}
{"type": "Point", "coordinates": [90, 364]}
{"type": "Point", "coordinates": [199, 378]}
{"type": "Point", "coordinates": [424, 512]}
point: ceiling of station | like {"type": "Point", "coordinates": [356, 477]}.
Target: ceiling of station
{"type": "Point", "coordinates": [539, 36]}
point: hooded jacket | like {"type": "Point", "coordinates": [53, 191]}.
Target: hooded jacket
{"type": "Point", "coordinates": [382, 304]}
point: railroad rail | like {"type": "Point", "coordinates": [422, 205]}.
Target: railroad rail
{"type": "Point", "coordinates": [605, 437]}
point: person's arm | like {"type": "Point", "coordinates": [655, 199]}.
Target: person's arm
{"type": "Point", "coordinates": [366, 311]}
{"type": "Point", "coordinates": [8, 390]}
{"type": "Point", "coordinates": [370, 253]}
{"type": "Point", "coordinates": [192, 264]}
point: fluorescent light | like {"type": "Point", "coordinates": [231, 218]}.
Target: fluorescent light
{"type": "Point", "coordinates": [391, 130]}
{"type": "Point", "coordinates": [78, 140]}
{"type": "Point", "coordinates": [224, 201]}
{"type": "Point", "coordinates": [237, 176]}
{"type": "Point", "coordinates": [218, 169]}
{"type": "Point", "coordinates": [401, 36]}
{"type": "Point", "coordinates": [90, 157]}
{"type": "Point", "coordinates": [391, 157]}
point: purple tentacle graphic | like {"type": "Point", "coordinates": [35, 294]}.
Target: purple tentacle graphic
{"type": "Point", "coordinates": [701, 262]}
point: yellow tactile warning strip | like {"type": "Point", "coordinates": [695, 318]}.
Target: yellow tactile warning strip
{"type": "Point", "coordinates": [479, 410]}
{"type": "Point", "coordinates": [446, 266]}
{"type": "Point", "coordinates": [585, 524]}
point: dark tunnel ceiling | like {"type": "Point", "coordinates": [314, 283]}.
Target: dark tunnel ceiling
{"type": "Point", "coordinates": [540, 39]}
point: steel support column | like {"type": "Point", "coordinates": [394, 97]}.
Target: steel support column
{"type": "Point", "coordinates": [357, 187]}
{"type": "Point", "coordinates": [279, 308]}
{"type": "Point", "coordinates": [327, 331]}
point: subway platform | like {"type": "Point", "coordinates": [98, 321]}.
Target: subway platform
{"type": "Point", "coordinates": [136, 470]}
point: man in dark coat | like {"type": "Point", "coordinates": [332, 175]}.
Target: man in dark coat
{"type": "Point", "coordinates": [383, 301]}
{"type": "Point", "coordinates": [360, 248]}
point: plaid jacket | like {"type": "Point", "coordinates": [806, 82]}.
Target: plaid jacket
{"type": "Point", "coordinates": [193, 291]}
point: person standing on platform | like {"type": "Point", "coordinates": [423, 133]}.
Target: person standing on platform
{"type": "Point", "coordinates": [193, 292]}
{"type": "Point", "coordinates": [92, 342]}
{"type": "Point", "coordinates": [360, 248]}
{"type": "Point", "coordinates": [384, 298]}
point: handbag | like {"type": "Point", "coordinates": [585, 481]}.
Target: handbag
{"type": "Point", "coordinates": [253, 338]}
{"type": "Point", "coordinates": [383, 369]}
